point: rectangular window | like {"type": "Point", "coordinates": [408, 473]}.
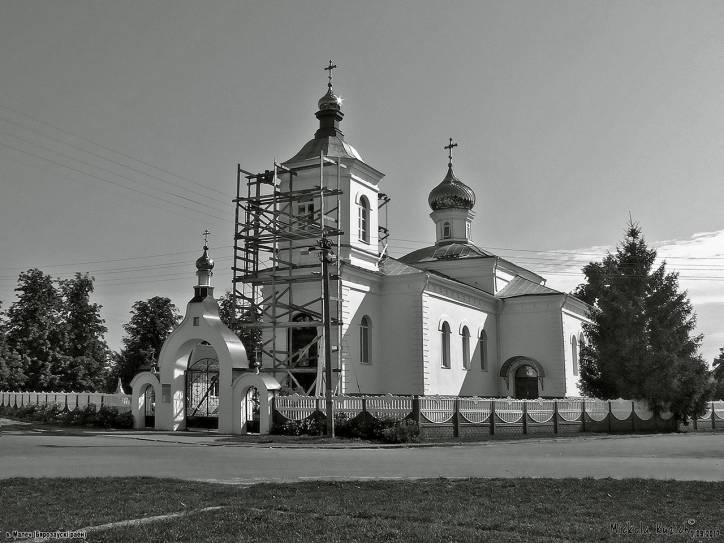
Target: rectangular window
{"type": "Point", "coordinates": [304, 213]}
{"type": "Point", "coordinates": [196, 321]}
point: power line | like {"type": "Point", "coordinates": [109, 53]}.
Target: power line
{"type": "Point", "coordinates": [148, 164]}
{"type": "Point", "coordinates": [90, 164]}
{"type": "Point", "coordinates": [98, 155]}
{"type": "Point", "coordinates": [108, 181]}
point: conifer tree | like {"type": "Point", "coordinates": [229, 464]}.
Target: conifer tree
{"type": "Point", "coordinates": [640, 341]}
{"type": "Point", "coordinates": [150, 324]}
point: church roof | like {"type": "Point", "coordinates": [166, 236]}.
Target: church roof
{"type": "Point", "coordinates": [448, 251]}
{"type": "Point", "coordinates": [333, 146]}
{"type": "Point", "coordinates": [521, 286]}
{"type": "Point", "coordinates": [391, 267]}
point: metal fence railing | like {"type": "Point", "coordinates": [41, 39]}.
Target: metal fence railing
{"type": "Point", "coordinates": [69, 400]}
{"type": "Point", "coordinates": [475, 417]}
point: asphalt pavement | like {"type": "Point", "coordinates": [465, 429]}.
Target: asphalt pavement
{"type": "Point", "coordinates": [32, 451]}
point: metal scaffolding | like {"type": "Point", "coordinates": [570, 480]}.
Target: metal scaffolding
{"type": "Point", "coordinates": [277, 284]}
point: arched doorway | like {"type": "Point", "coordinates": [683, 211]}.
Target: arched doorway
{"type": "Point", "coordinates": [202, 394]}
{"type": "Point", "coordinates": [304, 352]}
{"type": "Point", "coordinates": [149, 407]}
{"type": "Point", "coordinates": [252, 410]}
{"type": "Point", "coordinates": [526, 383]}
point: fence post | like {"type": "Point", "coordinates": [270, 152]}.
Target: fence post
{"type": "Point", "coordinates": [103, 398]}
{"type": "Point", "coordinates": [633, 417]}
{"type": "Point", "coordinates": [416, 409]}
{"type": "Point", "coordinates": [492, 417]}
{"type": "Point", "coordinates": [610, 418]}
{"type": "Point", "coordinates": [364, 405]}
{"type": "Point", "coordinates": [713, 420]}
{"type": "Point", "coordinates": [583, 415]}
{"type": "Point", "coordinates": [318, 404]}
{"type": "Point", "coordinates": [525, 417]}
{"type": "Point", "coordinates": [555, 416]}
{"type": "Point", "coordinates": [456, 417]}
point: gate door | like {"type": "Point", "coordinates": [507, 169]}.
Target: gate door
{"type": "Point", "coordinates": [202, 394]}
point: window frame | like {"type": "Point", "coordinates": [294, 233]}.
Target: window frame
{"type": "Point", "coordinates": [446, 333]}
{"type": "Point", "coordinates": [465, 333]}
{"type": "Point", "coordinates": [365, 340]}
{"type": "Point", "coordinates": [363, 220]}
{"type": "Point", "coordinates": [483, 346]}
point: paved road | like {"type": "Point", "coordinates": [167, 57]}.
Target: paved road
{"type": "Point", "coordinates": [28, 452]}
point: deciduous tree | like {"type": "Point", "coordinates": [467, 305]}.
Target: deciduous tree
{"type": "Point", "coordinates": [151, 322]}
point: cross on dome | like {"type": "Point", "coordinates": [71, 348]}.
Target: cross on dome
{"type": "Point", "coordinates": [449, 147]}
{"type": "Point", "coordinates": [206, 233]}
{"type": "Point", "coordinates": [329, 69]}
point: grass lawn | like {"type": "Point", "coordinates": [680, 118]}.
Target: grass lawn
{"type": "Point", "coordinates": [500, 510]}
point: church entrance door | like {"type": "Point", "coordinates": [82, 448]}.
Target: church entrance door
{"type": "Point", "coordinates": [202, 394]}
{"type": "Point", "coordinates": [526, 383]}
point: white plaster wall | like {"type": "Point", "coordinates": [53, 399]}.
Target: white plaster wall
{"type": "Point", "coordinates": [571, 326]}
{"type": "Point", "coordinates": [361, 298]}
{"type": "Point", "coordinates": [531, 326]}
{"type": "Point", "coordinates": [478, 272]}
{"type": "Point", "coordinates": [457, 380]}
{"type": "Point", "coordinates": [401, 335]}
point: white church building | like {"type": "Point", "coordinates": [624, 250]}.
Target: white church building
{"type": "Point", "coordinates": [449, 319]}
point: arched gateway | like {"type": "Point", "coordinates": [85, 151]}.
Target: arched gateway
{"type": "Point", "coordinates": [203, 369]}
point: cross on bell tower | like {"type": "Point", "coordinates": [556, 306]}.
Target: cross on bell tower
{"type": "Point", "coordinates": [329, 69]}
{"type": "Point", "coordinates": [449, 147]}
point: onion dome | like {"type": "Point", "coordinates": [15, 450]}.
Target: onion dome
{"type": "Point", "coordinates": [451, 193]}
{"type": "Point", "coordinates": [204, 262]}
{"type": "Point", "coordinates": [330, 100]}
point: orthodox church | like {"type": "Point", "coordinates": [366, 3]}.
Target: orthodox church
{"type": "Point", "coordinates": [449, 319]}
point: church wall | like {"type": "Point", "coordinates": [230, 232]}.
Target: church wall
{"type": "Point", "coordinates": [571, 327]}
{"type": "Point", "coordinates": [457, 380]}
{"type": "Point", "coordinates": [402, 335]}
{"type": "Point", "coordinates": [478, 272]}
{"type": "Point", "coordinates": [531, 327]}
{"type": "Point", "coordinates": [361, 299]}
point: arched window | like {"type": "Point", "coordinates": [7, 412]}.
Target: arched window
{"type": "Point", "coordinates": [445, 345]}
{"type": "Point", "coordinates": [363, 223]}
{"type": "Point", "coordinates": [483, 345]}
{"type": "Point", "coordinates": [574, 354]}
{"type": "Point", "coordinates": [365, 340]}
{"type": "Point", "coordinates": [446, 230]}
{"type": "Point", "coordinates": [466, 348]}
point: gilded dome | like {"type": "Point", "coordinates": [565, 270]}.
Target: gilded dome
{"type": "Point", "coordinates": [451, 193]}
{"type": "Point", "coordinates": [204, 262]}
{"type": "Point", "coordinates": [330, 101]}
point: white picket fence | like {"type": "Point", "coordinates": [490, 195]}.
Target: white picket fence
{"type": "Point", "coordinates": [476, 410]}
{"type": "Point", "coordinates": [70, 399]}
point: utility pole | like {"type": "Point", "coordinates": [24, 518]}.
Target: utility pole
{"type": "Point", "coordinates": [327, 257]}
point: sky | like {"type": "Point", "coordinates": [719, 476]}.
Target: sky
{"type": "Point", "coordinates": [122, 123]}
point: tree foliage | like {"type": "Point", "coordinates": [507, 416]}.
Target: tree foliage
{"type": "Point", "coordinates": [641, 338]}
{"type": "Point", "coordinates": [151, 322]}
{"type": "Point", "coordinates": [718, 374]}
{"type": "Point", "coordinates": [53, 336]}
{"type": "Point", "coordinates": [237, 320]}
{"type": "Point", "coordinates": [84, 330]}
